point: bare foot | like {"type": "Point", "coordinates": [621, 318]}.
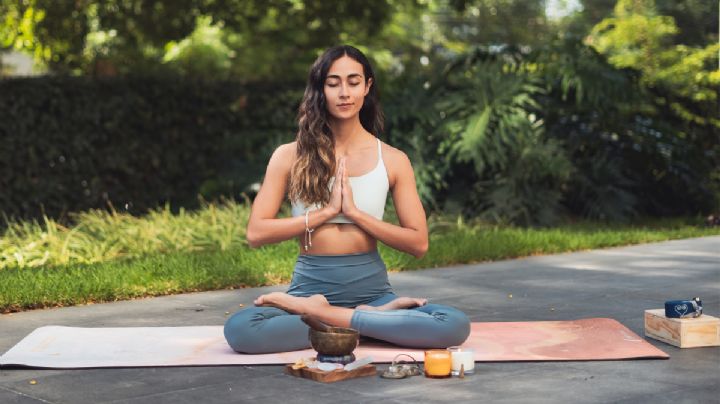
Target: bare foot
{"type": "Point", "coordinates": [397, 304]}
{"type": "Point", "coordinates": [292, 304]}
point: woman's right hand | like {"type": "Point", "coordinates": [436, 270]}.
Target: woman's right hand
{"type": "Point", "coordinates": [335, 204]}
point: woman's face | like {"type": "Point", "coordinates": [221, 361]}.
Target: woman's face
{"type": "Point", "coordinates": [345, 88]}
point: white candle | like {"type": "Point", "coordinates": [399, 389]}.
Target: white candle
{"type": "Point", "coordinates": [462, 358]}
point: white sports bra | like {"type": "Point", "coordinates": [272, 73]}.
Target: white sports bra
{"type": "Point", "coordinates": [369, 193]}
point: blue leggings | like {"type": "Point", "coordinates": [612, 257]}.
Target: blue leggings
{"type": "Point", "coordinates": [346, 280]}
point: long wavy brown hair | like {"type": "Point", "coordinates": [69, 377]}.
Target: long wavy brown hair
{"type": "Point", "coordinates": [315, 162]}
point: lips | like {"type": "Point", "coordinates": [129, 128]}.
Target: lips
{"type": "Point", "coordinates": [344, 105]}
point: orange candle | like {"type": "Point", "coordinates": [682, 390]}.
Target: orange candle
{"type": "Point", "coordinates": [438, 363]}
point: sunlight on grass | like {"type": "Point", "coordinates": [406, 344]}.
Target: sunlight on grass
{"type": "Point", "coordinates": [100, 236]}
{"type": "Point", "coordinates": [113, 256]}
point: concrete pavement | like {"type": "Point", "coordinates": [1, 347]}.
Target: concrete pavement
{"type": "Point", "coordinates": [619, 283]}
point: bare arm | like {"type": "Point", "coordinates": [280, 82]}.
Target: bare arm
{"type": "Point", "coordinates": [412, 234]}
{"type": "Point", "coordinates": [263, 226]}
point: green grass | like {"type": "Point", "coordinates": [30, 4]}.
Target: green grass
{"type": "Point", "coordinates": [203, 260]}
{"type": "Point", "coordinates": [147, 276]}
{"type": "Point", "coordinates": [100, 236]}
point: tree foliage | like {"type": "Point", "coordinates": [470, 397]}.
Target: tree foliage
{"type": "Point", "coordinates": [609, 113]}
{"type": "Point", "coordinates": [259, 38]}
{"type": "Point", "coordinates": [637, 37]}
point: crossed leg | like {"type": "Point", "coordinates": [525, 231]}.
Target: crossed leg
{"type": "Point", "coordinates": [317, 306]}
{"type": "Point", "coordinates": [275, 324]}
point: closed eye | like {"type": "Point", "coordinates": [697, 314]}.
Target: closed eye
{"type": "Point", "coordinates": [337, 84]}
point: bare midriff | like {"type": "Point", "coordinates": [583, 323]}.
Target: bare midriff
{"type": "Point", "coordinates": [338, 238]}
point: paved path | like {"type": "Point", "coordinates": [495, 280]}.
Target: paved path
{"type": "Point", "coordinates": [619, 283]}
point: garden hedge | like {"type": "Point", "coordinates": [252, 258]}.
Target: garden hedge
{"type": "Point", "coordinates": [70, 143]}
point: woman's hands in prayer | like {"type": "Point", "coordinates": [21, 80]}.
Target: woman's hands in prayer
{"type": "Point", "coordinates": [348, 203]}
{"type": "Point", "coordinates": [335, 204]}
{"type": "Point", "coordinates": [341, 197]}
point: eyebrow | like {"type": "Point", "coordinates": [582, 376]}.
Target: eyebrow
{"type": "Point", "coordinates": [336, 76]}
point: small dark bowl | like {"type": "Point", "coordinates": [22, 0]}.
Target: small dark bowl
{"type": "Point", "coordinates": [337, 341]}
{"type": "Point", "coordinates": [343, 360]}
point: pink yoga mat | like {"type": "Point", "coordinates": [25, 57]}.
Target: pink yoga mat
{"type": "Point", "coordinates": [72, 347]}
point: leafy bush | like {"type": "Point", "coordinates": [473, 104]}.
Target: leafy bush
{"type": "Point", "coordinates": [71, 144]}
{"type": "Point", "coordinates": [523, 138]}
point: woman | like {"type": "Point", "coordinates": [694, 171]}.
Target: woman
{"type": "Point", "coordinates": [337, 175]}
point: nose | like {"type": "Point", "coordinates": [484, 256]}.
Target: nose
{"type": "Point", "coordinates": [343, 91]}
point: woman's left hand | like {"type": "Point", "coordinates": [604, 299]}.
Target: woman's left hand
{"type": "Point", "coordinates": [348, 204]}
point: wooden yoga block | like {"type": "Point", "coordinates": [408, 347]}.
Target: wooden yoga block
{"type": "Point", "coordinates": [682, 332]}
{"type": "Point", "coordinates": [332, 376]}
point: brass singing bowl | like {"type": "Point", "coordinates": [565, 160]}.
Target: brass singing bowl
{"type": "Point", "coordinates": [334, 341]}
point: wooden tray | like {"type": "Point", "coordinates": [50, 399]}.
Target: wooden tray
{"type": "Point", "coordinates": [332, 376]}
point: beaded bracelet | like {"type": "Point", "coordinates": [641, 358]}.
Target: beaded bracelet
{"type": "Point", "coordinates": [308, 231]}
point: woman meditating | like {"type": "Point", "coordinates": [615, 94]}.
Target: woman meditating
{"type": "Point", "coordinates": [337, 175]}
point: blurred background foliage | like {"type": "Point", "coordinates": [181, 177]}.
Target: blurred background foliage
{"type": "Point", "coordinates": [514, 111]}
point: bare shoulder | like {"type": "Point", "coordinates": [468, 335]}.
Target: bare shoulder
{"type": "Point", "coordinates": [287, 150]}
{"type": "Point", "coordinates": [394, 156]}
{"type": "Point", "coordinates": [284, 156]}
{"type": "Point", "coordinates": [396, 161]}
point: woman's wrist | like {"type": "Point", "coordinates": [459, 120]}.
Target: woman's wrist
{"type": "Point", "coordinates": [326, 214]}
{"type": "Point", "coordinates": [352, 214]}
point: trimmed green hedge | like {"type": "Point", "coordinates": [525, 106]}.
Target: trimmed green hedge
{"type": "Point", "coordinates": [69, 144]}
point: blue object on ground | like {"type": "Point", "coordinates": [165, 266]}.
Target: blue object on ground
{"type": "Point", "coordinates": [683, 308]}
